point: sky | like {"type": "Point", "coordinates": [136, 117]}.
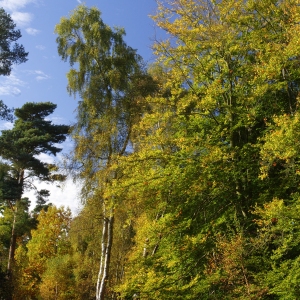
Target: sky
{"type": "Point", "coordinates": [43, 77]}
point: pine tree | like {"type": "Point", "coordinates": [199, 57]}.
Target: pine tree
{"type": "Point", "coordinates": [20, 146]}
{"type": "Point", "coordinates": [10, 54]}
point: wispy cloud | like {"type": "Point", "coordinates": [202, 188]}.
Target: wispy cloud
{"type": "Point", "coordinates": [79, 1]}
{"type": "Point", "coordinates": [9, 90]}
{"type": "Point", "coordinates": [39, 75]}
{"type": "Point", "coordinates": [15, 5]}
{"type": "Point", "coordinates": [32, 31]}
{"type": "Point", "coordinates": [40, 47]}
{"type": "Point", "coordinates": [11, 85]}
{"type": "Point", "coordinates": [22, 19]}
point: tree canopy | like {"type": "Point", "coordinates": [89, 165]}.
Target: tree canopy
{"type": "Point", "coordinates": [190, 165]}
{"type": "Point", "coordinates": [20, 147]}
{"type": "Point", "coordinates": [11, 52]}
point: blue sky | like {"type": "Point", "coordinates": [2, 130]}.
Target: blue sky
{"type": "Point", "coordinates": [43, 76]}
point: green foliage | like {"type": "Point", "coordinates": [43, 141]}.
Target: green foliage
{"type": "Point", "coordinates": [5, 112]}
{"type": "Point", "coordinates": [30, 136]}
{"type": "Point", "coordinates": [228, 74]}
{"type": "Point", "coordinates": [278, 232]}
{"type": "Point", "coordinates": [58, 281]}
{"type": "Point", "coordinates": [85, 238]}
{"type": "Point", "coordinates": [10, 54]}
{"type": "Point", "coordinates": [112, 83]}
{"type": "Point", "coordinates": [20, 146]}
{"type": "Point", "coordinates": [48, 244]}
{"type": "Point", "coordinates": [194, 163]}
{"type": "Point", "coordinates": [41, 201]}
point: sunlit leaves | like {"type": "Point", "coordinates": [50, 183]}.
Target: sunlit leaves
{"type": "Point", "coordinates": [48, 241]}
{"type": "Point", "coordinates": [225, 111]}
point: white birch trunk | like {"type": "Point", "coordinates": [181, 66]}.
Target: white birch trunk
{"type": "Point", "coordinates": [103, 251]}
{"type": "Point", "coordinates": [107, 238]}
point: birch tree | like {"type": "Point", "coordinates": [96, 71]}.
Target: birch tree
{"type": "Point", "coordinates": [109, 78]}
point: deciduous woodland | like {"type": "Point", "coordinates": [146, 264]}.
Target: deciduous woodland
{"type": "Point", "coordinates": [189, 166]}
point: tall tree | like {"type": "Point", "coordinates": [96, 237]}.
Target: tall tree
{"type": "Point", "coordinates": [230, 68]}
{"type": "Point", "coordinates": [109, 78]}
{"type": "Point", "coordinates": [20, 146]}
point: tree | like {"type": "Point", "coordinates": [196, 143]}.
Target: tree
{"type": "Point", "coordinates": [109, 78]}
{"type": "Point", "coordinates": [37, 260]}
{"type": "Point", "coordinates": [23, 222]}
{"type": "Point", "coordinates": [197, 168]}
{"type": "Point", "coordinates": [85, 237]}
{"type": "Point", "coordinates": [278, 239]}
{"type": "Point", "coordinates": [20, 146]}
{"type": "Point", "coordinates": [5, 112]}
{"type": "Point", "coordinates": [9, 54]}
{"type": "Point", "coordinates": [193, 171]}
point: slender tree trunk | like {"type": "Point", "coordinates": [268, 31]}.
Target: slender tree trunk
{"type": "Point", "coordinates": [13, 239]}
{"type": "Point", "coordinates": [105, 274]}
{"type": "Point", "coordinates": [103, 250]}
{"type": "Point", "coordinates": [12, 248]}
{"type": "Point", "coordinates": [107, 238]}
{"type": "Point", "coordinates": [11, 255]}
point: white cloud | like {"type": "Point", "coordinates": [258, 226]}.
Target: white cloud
{"type": "Point", "coordinates": [61, 194]}
{"type": "Point", "coordinates": [79, 1]}
{"type": "Point", "coordinates": [46, 158]}
{"type": "Point", "coordinates": [10, 85]}
{"type": "Point", "coordinates": [9, 90]}
{"type": "Point", "coordinates": [22, 19]}
{"type": "Point", "coordinates": [43, 77]}
{"type": "Point", "coordinates": [40, 47]}
{"type": "Point", "coordinates": [56, 120]}
{"type": "Point", "coordinates": [67, 194]}
{"type": "Point", "coordinates": [6, 125]}
{"type": "Point", "coordinates": [14, 5]}
{"type": "Point", "coordinates": [32, 31]}
{"type": "Point", "coordinates": [40, 75]}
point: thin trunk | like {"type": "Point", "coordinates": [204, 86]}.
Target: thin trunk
{"type": "Point", "coordinates": [103, 251]}
{"type": "Point", "coordinates": [107, 238]}
{"type": "Point", "coordinates": [13, 239]}
{"type": "Point", "coordinates": [107, 258]}
{"type": "Point", "coordinates": [12, 248]}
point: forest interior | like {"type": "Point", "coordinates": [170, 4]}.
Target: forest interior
{"type": "Point", "coordinates": [188, 165]}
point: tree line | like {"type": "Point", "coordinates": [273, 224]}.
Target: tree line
{"type": "Point", "coordinates": [189, 166]}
